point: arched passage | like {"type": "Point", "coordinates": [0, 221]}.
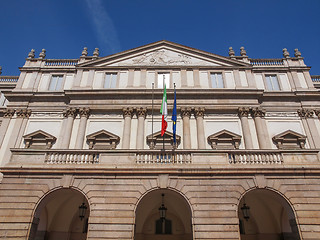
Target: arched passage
{"type": "Point", "coordinates": [270, 217]}
{"type": "Point", "coordinates": [57, 217]}
{"type": "Point", "coordinates": [177, 224]}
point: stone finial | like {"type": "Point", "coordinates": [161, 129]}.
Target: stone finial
{"type": "Point", "coordinates": [231, 52]}
{"type": "Point", "coordinates": [42, 55]}
{"type": "Point", "coordinates": [31, 54]}
{"type": "Point", "coordinates": [297, 53]}
{"type": "Point", "coordinates": [84, 52]}
{"type": "Point", "coordinates": [96, 52]}
{"type": "Point", "coordinates": [285, 53]}
{"type": "Point", "coordinates": [243, 52]}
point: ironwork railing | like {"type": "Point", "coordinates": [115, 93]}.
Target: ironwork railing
{"type": "Point", "coordinates": [267, 62]}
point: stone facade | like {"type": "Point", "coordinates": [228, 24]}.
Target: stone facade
{"type": "Point", "coordinates": [85, 132]}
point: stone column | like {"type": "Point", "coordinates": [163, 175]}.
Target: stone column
{"type": "Point", "coordinates": [84, 115]}
{"type": "Point", "coordinates": [243, 113]}
{"type": "Point", "coordinates": [70, 114]}
{"type": "Point", "coordinates": [8, 114]}
{"type": "Point", "coordinates": [185, 114]}
{"type": "Point", "coordinates": [141, 114]}
{"type": "Point", "coordinates": [262, 133]}
{"type": "Point", "coordinates": [127, 115]}
{"type": "Point", "coordinates": [310, 127]}
{"type": "Point", "coordinates": [199, 114]}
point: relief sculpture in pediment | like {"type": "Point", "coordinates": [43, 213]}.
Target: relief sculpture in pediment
{"type": "Point", "coordinates": [162, 57]}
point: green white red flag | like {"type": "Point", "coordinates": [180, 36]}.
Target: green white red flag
{"type": "Point", "coordinates": [164, 111]}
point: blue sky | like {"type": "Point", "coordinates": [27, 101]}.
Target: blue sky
{"type": "Point", "coordinates": [64, 27]}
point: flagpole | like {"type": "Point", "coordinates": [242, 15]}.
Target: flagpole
{"type": "Point", "coordinates": [163, 85]}
{"type": "Point", "coordinates": [152, 117]}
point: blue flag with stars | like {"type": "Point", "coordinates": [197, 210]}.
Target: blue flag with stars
{"type": "Point", "coordinates": [174, 117]}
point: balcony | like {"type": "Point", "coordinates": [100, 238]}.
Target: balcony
{"type": "Point", "coordinates": [177, 159]}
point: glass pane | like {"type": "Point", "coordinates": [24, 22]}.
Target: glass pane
{"type": "Point", "coordinates": [53, 83]}
{"type": "Point", "coordinates": [59, 83]}
{"type": "Point", "coordinates": [163, 77]}
{"type": "Point", "coordinates": [275, 83]}
{"type": "Point", "coordinates": [107, 81]}
{"type": "Point", "coordinates": [269, 84]}
{"type": "Point", "coordinates": [213, 80]}
{"type": "Point", "coordinates": [219, 80]}
{"type": "Point", "coordinates": [113, 81]}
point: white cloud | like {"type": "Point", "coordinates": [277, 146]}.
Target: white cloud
{"type": "Point", "coordinates": [103, 25]}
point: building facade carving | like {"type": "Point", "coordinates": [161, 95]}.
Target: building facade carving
{"type": "Point", "coordinates": [91, 155]}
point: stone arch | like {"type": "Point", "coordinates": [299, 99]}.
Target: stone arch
{"type": "Point", "coordinates": [56, 216]}
{"type": "Point", "coordinates": [271, 216]}
{"type": "Point", "coordinates": [179, 212]}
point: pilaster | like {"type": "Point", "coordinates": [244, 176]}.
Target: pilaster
{"type": "Point", "coordinates": [199, 115]}
{"type": "Point", "coordinates": [70, 114]}
{"type": "Point", "coordinates": [243, 113]}
{"type": "Point", "coordinates": [127, 115]}
{"type": "Point", "coordinates": [186, 114]}
{"type": "Point", "coordinates": [141, 114]}
{"type": "Point", "coordinates": [84, 115]}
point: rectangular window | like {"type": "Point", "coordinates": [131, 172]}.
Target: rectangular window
{"type": "Point", "coordinates": [110, 80]}
{"type": "Point", "coordinates": [216, 80]}
{"type": "Point", "coordinates": [163, 78]}
{"type": "Point", "coordinates": [56, 83]}
{"type": "Point", "coordinates": [272, 83]}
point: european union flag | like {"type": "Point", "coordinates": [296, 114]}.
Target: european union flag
{"type": "Point", "coordinates": [174, 117]}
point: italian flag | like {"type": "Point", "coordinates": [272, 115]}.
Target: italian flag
{"type": "Point", "coordinates": [164, 111]}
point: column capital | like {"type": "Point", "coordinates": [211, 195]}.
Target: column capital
{"type": "Point", "coordinates": [141, 112]}
{"type": "Point", "coordinates": [243, 111]}
{"type": "Point", "coordinates": [199, 112]}
{"type": "Point", "coordinates": [186, 112]}
{"type": "Point", "coordinates": [127, 112]}
{"type": "Point", "coordinates": [258, 112]}
{"type": "Point", "coordinates": [70, 112]}
{"type": "Point", "coordinates": [23, 113]}
{"type": "Point", "coordinates": [8, 113]}
{"type": "Point", "coordinates": [84, 112]}
{"type": "Point", "coordinates": [317, 112]}
{"type": "Point", "coordinates": [305, 113]}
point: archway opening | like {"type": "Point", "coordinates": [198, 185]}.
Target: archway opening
{"type": "Point", "coordinates": [265, 215]}
{"type": "Point", "coordinates": [58, 217]}
{"type": "Point", "coordinates": [155, 223]}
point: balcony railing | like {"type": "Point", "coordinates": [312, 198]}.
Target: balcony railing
{"type": "Point", "coordinates": [61, 62]}
{"type": "Point", "coordinates": [178, 157]}
{"type": "Point", "coordinates": [267, 62]}
{"type": "Point", "coordinates": [9, 79]}
{"type": "Point", "coordinates": [315, 78]}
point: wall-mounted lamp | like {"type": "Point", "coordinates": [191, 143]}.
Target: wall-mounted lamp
{"type": "Point", "coordinates": [162, 209]}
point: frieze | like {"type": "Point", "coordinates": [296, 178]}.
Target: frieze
{"type": "Point", "coordinates": [46, 114]}
{"type": "Point", "coordinates": [281, 114]}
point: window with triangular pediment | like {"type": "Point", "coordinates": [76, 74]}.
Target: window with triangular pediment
{"type": "Point", "coordinates": [39, 140]}
{"type": "Point", "coordinates": [224, 139]}
{"type": "Point", "coordinates": [156, 141]}
{"type": "Point", "coordinates": [289, 140]}
{"type": "Point", "coordinates": [103, 140]}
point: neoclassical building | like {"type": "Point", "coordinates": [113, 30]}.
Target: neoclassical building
{"type": "Point", "coordinates": [82, 156]}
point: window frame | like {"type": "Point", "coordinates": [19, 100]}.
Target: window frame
{"type": "Point", "coordinates": [210, 73]}
{"type": "Point", "coordinates": [63, 78]}
{"type": "Point", "coordinates": [265, 77]}
{"type": "Point", "coordinates": [157, 79]}
{"type": "Point", "coordinates": [116, 79]}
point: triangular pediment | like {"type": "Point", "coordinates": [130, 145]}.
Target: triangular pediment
{"type": "Point", "coordinates": [225, 134]}
{"type": "Point", "coordinates": [157, 141]}
{"type": "Point", "coordinates": [103, 140]}
{"type": "Point", "coordinates": [289, 134]}
{"type": "Point", "coordinates": [289, 140]}
{"type": "Point", "coordinates": [102, 134]}
{"type": "Point", "coordinates": [39, 134]}
{"type": "Point", "coordinates": [163, 53]}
